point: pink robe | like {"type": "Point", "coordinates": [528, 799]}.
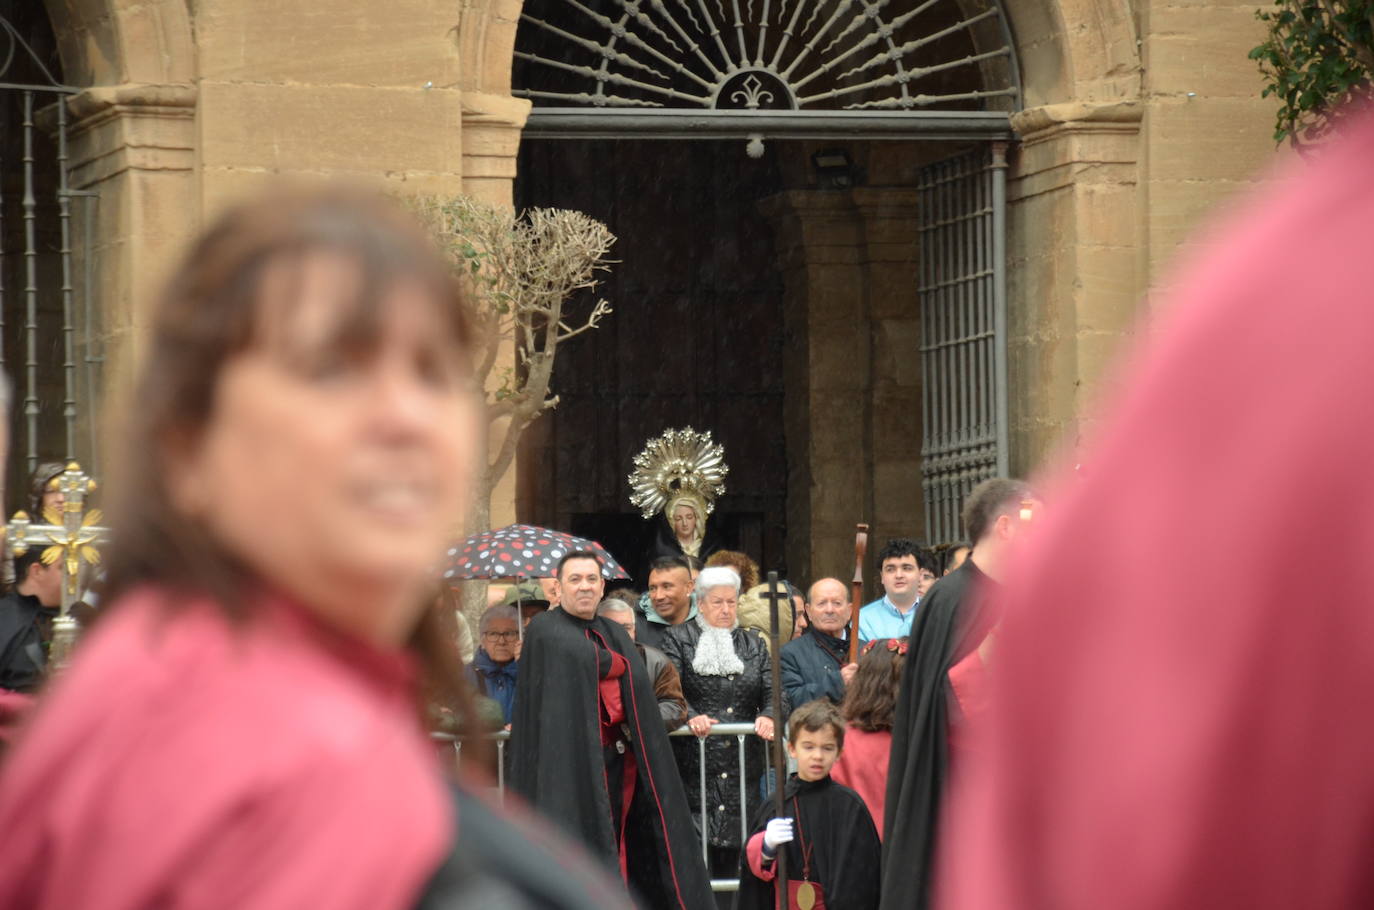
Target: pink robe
{"type": "Point", "coordinates": [1180, 707]}
{"type": "Point", "coordinates": [862, 767]}
{"type": "Point", "coordinates": [968, 686]}
{"type": "Point", "coordinates": [181, 762]}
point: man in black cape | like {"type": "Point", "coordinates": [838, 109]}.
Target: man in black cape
{"type": "Point", "coordinates": [834, 843]}
{"type": "Point", "coordinates": [590, 753]}
{"type": "Point", "coordinates": [954, 619]}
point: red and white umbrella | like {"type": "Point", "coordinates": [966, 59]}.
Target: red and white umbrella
{"type": "Point", "coordinates": [522, 551]}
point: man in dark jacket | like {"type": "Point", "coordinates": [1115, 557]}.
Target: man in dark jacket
{"type": "Point", "coordinates": [816, 665]}
{"type": "Point", "coordinates": [672, 707]}
{"type": "Point", "coordinates": [494, 667]}
{"type": "Point", "coordinates": [26, 618]}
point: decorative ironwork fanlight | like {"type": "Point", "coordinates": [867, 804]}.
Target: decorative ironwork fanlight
{"type": "Point", "coordinates": [899, 55]}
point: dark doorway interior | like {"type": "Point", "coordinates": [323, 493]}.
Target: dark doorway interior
{"type": "Point", "coordinates": [695, 338]}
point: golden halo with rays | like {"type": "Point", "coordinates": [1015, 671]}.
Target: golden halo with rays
{"type": "Point", "coordinates": [679, 460]}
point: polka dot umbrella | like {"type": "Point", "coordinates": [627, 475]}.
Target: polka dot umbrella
{"type": "Point", "coordinates": [522, 551]}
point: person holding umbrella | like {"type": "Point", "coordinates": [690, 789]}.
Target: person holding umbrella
{"type": "Point", "coordinates": [526, 555]}
{"type": "Point", "coordinates": [529, 597]}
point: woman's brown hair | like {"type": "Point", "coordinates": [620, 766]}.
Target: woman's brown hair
{"type": "Point", "coordinates": [871, 698]}
{"type": "Point", "coordinates": [748, 569]}
{"type": "Point", "coordinates": [212, 310]}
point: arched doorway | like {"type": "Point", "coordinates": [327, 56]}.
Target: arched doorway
{"type": "Point", "coordinates": [782, 160]}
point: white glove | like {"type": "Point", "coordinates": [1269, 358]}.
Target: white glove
{"type": "Point", "coordinates": [779, 831]}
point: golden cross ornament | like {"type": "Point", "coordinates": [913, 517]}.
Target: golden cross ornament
{"type": "Point", "coordinates": [70, 535]}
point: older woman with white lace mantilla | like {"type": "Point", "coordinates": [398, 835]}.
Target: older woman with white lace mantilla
{"type": "Point", "coordinates": [725, 679]}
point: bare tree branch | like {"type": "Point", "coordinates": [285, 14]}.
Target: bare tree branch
{"type": "Point", "coordinates": [520, 273]}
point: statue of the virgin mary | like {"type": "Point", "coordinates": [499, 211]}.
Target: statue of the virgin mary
{"type": "Point", "coordinates": [675, 482]}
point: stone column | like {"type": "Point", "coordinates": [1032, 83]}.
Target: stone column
{"type": "Point", "coordinates": [134, 145]}
{"type": "Point", "coordinates": [1073, 267]}
{"type": "Point", "coordinates": [491, 139]}
{"type": "Point", "coordinates": [826, 405]}
{"type": "Point", "coordinates": [890, 256]}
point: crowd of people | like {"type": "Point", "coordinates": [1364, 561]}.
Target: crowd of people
{"type": "Point", "coordinates": [579, 686]}
{"type": "Point", "coordinates": [591, 753]}
{"type": "Point", "coordinates": [1043, 719]}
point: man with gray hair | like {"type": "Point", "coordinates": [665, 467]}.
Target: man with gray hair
{"type": "Point", "coordinates": [672, 707]}
{"type": "Point", "coordinates": [495, 666]}
{"type": "Point", "coordinates": [816, 664]}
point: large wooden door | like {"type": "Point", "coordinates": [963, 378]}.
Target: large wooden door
{"type": "Point", "coordinates": [695, 338]}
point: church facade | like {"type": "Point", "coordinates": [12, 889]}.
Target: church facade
{"type": "Point", "coordinates": [784, 281]}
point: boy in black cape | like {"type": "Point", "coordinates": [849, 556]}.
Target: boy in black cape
{"type": "Point", "coordinates": [832, 846]}
{"type": "Point", "coordinates": [589, 751]}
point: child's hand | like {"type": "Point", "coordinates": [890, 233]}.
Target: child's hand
{"type": "Point", "coordinates": [778, 832]}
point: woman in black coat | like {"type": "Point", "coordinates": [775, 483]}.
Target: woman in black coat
{"type": "Point", "coordinates": [726, 679]}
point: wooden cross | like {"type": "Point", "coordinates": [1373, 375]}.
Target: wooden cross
{"type": "Point", "coordinates": [776, 595]}
{"type": "Point", "coordinates": [70, 536]}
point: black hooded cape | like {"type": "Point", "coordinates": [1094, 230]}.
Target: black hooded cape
{"type": "Point", "coordinates": [954, 618]}
{"type": "Point", "coordinates": [557, 762]}
{"type": "Point", "coordinates": [843, 843]}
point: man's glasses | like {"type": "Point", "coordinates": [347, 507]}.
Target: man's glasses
{"type": "Point", "coordinates": [501, 636]}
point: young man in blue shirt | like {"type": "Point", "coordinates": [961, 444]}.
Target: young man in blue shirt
{"type": "Point", "coordinates": [908, 571]}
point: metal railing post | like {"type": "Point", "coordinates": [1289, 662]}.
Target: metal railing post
{"type": "Point", "coordinates": [701, 767]}
{"type": "Point", "coordinates": [743, 802]}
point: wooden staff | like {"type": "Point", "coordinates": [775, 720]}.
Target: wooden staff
{"type": "Point", "coordinates": [775, 595]}
{"type": "Point", "coordinates": [857, 595]}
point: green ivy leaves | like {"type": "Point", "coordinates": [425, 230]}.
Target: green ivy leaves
{"type": "Point", "coordinates": [1318, 55]}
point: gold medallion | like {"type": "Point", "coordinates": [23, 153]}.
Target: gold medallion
{"type": "Point", "coordinates": [806, 896]}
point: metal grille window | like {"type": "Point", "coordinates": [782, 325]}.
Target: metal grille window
{"type": "Point", "coordinates": [49, 339]}
{"type": "Point", "coordinates": [767, 54]}
{"type": "Point", "coordinates": [963, 331]}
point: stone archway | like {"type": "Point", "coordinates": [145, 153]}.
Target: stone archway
{"type": "Point", "coordinates": [105, 43]}
{"type": "Point", "coordinates": [492, 119]}
{"type": "Point", "coordinates": [1074, 278]}
{"type": "Point", "coordinates": [1075, 50]}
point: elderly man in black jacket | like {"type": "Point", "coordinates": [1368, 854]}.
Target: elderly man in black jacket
{"type": "Point", "coordinates": [816, 664]}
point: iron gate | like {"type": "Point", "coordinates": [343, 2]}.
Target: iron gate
{"type": "Point", "coordinates": [48, 322]}
{"type": "Point", "coordinates": [962, 292]}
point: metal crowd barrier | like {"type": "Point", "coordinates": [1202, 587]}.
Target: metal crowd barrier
{"type": "Point", "coordinates": [739, 731]}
